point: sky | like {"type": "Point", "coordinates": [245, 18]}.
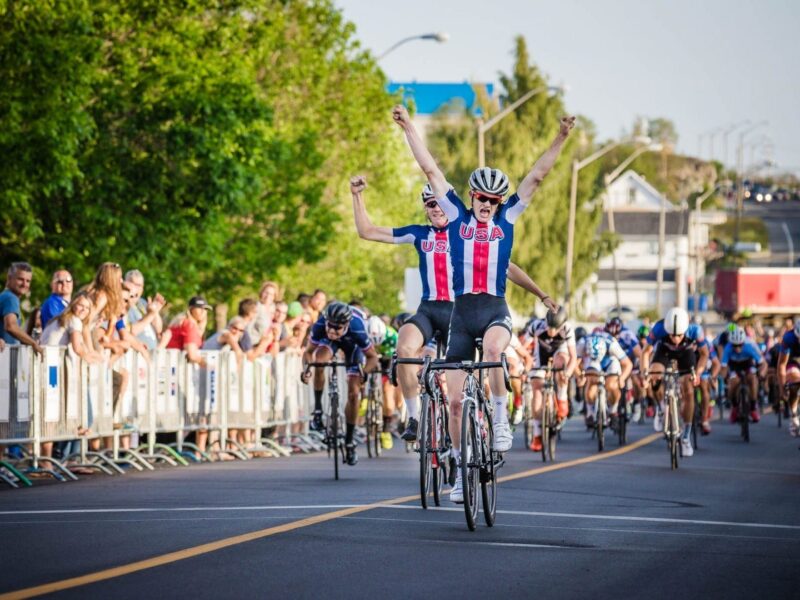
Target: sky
{"type": "Point", "coordinates": [704, 64]}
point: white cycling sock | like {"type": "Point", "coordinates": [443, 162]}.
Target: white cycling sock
{"type": "Point", "coordinates": [687, 430]}
{"type": "Point", "coordinates": [412, 406]}
{"type": "Point", "coordinates": [537, 427]}
{"type": "Point", "coordinates": [500, 408]}
{"type": "Point", "coordinates": [457, 454]}
{"type": "Point", "coordinates": [561, 393]}
{"type": "Point", "coordinates": [591, 409]}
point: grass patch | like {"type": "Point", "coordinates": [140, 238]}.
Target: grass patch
{"type": "Point", "coordinates": [752, 230]}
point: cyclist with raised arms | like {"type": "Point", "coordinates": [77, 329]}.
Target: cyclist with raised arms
{"type": "Point", "coordinates": [673, 338]}
{"type": "Point", "coordinates": [481, 239]}
{"type": "Point", "coordinates": [554, 339]}
{"type": "Point", "coordinates": [741, 359]}
{"type": "Point", "coordinates": [432, 243]}
{"type": "Point", "coordinates": [339, 328]}
{"type": "Point", "coordinates": [789, 372]}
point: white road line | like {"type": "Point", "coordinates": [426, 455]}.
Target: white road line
{"type": "Point", "coordinates": [650, 532]}
{"type": "Point", "coordinates": [400, 507]}
{"type": "Point", "coordinates": [621, 518]}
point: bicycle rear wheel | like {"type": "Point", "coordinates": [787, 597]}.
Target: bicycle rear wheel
{"type": "Point", "coordinates": [425, 447]}
{"type": "Point", "coordinates": [470, 455]}
{"type": "Point", "coordinates": [622, 422]}
{"type": "Point", "coordinates": [370, 427]}
{"type": "Point", "coordinates": [438, 426]}
{"type": "Point", "coordinates": [672, 427]}
{"type": "Point", "coordinates": [488, 475]}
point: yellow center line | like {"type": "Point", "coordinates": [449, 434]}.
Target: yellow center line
{"type": "Point", "coordinates": [171, 557]}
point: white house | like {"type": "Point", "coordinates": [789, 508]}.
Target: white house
{"type": "Point", "coordinates": [638, 209]}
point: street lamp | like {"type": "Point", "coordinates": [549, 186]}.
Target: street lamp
{"type": "Point", "coordinates": [440, 37]}
{"type": "Point", "coordinates": [484, 127]}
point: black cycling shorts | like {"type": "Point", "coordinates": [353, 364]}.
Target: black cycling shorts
{"type": "Point", "coordinates": [433, 316]}
{"type": "Point", "coordinates": [473, 314]}
{"type": "Point", "coordinates": [686, 357]}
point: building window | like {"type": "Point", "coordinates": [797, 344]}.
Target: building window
{"type": "Point", "coordinates": [631, 196]}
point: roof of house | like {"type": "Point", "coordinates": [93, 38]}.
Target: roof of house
{"type": "Point", "coordinates": [646, 223]}
{"type": "Point", "coordinates": [429, 97]}
{"type": "Point", "coordinates": [635, 275]}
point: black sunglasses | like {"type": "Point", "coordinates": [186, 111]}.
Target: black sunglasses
{"type": "Point", "coordinates": [494, 201]}
{"type": "Point", "coordinates": [431, 204]}
{"type": "Point", "coordinates": [335, 326]}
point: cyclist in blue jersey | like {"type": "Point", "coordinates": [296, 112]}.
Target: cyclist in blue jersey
{"type": "Point", "coordinates": [339, 328]}
{"type": "Point", "coordinates": [628, 341]}
{"type": "Point", "coordinates": [789, 372]}
{"type": "Point", "coordinates": [481, 239]}
{"type": "Point", "coordinates": [741, 358]}
{"type": "Point", "coordinates": [673, 338]}
{"type": "Point", "coordinates": [436, 272]}
{"type": "Point", "coordinates": [601, 353]}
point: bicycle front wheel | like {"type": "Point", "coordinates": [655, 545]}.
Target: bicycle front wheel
{"type": "Point", "coordinates": [673, 431]}
{"type": "Point", "coordinates": [470, 475]}
{"type": "Point", "coordinates": [333, 437]}
{"type": "Point", "coordinates": [600, 424]}
{"type": "Point", "coordinates": [438, 429]}
{"type": "Point", "coordinates": [547, 417]}
{"type": "Point", "coordinates": [744, 411]}
{"type": "Point", "coordinates": [425, 447]}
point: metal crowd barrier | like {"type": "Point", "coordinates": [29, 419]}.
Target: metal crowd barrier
{"type": "Point", "coordinates": [59, 398]}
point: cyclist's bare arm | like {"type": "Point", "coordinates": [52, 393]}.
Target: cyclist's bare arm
{"type": "Point", "coordinates": [532, 180]}
{"type": "Point", "coordinates": [522, 279]}
{"type": "Point", "coordinates": [421, 153]}
{"type": "Point", "coordinates": [372, 359]}
{"type": "Point", "coordinates": [366, 229]}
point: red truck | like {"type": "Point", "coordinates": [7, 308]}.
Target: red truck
{"type": "Point", "coordinates": [761, 290]}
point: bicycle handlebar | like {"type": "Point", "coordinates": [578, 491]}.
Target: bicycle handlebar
{"type": "Point", "coordinates": [466, 365]}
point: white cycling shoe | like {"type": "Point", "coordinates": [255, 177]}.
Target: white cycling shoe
{"type": "Point", "coordinates": [457, 492]}
{"type": "Point", "coordinates": [658, 425]}
{"type": "Point", "coordinates": [686, 447]}
{"type": "Point", "coordinates": [502, 437]}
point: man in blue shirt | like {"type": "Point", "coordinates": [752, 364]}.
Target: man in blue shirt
{"type": "Point", "coordinates": [740, 359]}
{"type": "Point", "coordinates": [61, 286]}
{"type": "Point", "coordinates": [18, 284]}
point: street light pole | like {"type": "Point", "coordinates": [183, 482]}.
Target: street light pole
{"type": "Point", "coordinates": [440, 37]}
{"type": "Point", "coordinates": [484, 127]}
{"type": "Point", "coordinates": [696, 241]}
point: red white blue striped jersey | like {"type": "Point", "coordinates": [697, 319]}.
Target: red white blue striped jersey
{"type": "Point", "coordinates": [433, 248]}
{"type": "Point", "coordinates": [480, 252]}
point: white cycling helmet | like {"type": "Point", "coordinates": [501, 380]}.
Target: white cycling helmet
{"type": "Point", "coordinates": [489, 181]}
{"type": "Point", "coordinates": [737, 337]}
{"type": "Point", "coordinates": [676, 321]}
{"type": "Point", "coordinates": [596, 347]}
{"type": "Point", "coordinates": [376, 329]}
{"type": "Point", "coordinates": [427, 193]}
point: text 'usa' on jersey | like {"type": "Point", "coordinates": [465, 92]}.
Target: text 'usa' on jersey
{"type": "Point", "coordinates": [480, 252]}
{"type": "Point", "coordinates": [433, 250]}
{"type": "Point", "coordinates": [356, 333]}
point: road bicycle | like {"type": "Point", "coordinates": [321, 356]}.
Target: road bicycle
{"type": "Point", "coordinates": [743, 405]}
{"type": "Point", "coordinates": [373, 420]}
{"type": "Point", "coordinates": [479, 461]}
{"type": "Point", "coordinates": [601, 414]}
{"type": "Point", "coordinates": [550, 423]}
{"type": "Point", "coordinates": [436, 462]}
{"type": "Point", "coordinates": [334, 437]}
{"type": "Point", "coordinates": [672, 418]}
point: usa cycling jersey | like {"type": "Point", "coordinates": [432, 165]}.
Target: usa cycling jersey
{"type": "Point", "coordinates": [547, 344]}
{"type": "Point", "coordinates": [480, 252]}
{"type": "Point", "coordinates": [433, 247]}
{"type": "Point", "coordinates": [747, 355]}
{"type": "Point", "coordinates": [355, 337]}
{"type": "Point", "coordinates": [694, 335]}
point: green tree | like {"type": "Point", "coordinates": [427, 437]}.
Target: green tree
{"type": "Point", "coordinates": [514, 145]}
{"type": "Point", "coordinates": [205, 143]}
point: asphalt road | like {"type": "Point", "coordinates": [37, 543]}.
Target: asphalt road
{"type": "Point", "coordinates": [725, 524]}
{"type": "Point", "coordinates": [781, 219]}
